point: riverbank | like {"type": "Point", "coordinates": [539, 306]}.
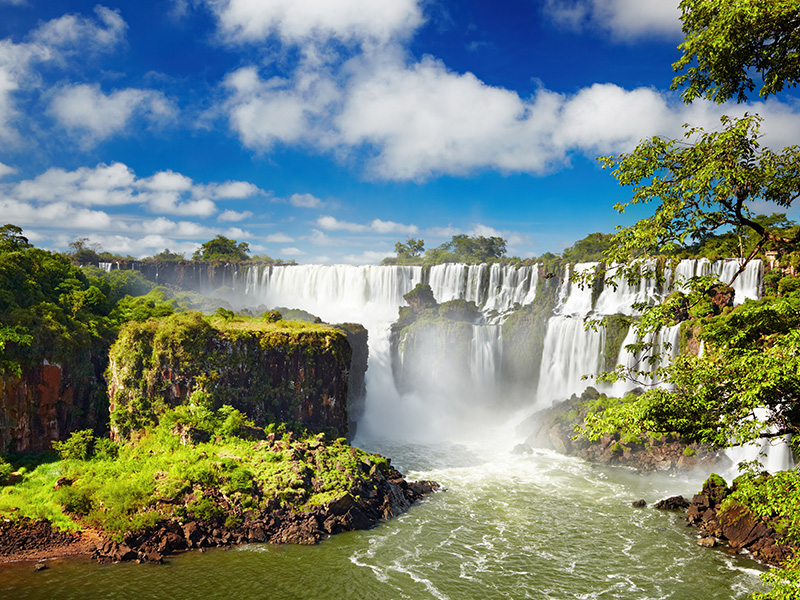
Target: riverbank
{"type": "Point", "coordinates": [178, 487]}
{"type": "Point", "coordinates": [38, 540]}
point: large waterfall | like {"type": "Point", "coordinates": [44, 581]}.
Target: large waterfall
{"type": "Point", "coordinates": [372, 295]}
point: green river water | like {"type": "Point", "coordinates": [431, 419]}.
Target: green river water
{"type": "Point", "coordinates": [539, 526]}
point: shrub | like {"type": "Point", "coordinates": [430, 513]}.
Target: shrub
{"type": "Point", "coordinates": [79, 446]}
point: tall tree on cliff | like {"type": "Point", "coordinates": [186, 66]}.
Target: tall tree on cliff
{"type": "Point", "coordinates": [222, 248]}
{"type": "Point", "coordinates": [746, 385]}
{"type": "Point", "coordinates": [708, 181]}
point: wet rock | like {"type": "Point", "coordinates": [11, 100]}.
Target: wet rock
{"type": "Point", "coordinates": [40, 566]}
{"type": "Point", "coordinates": [522, 449]}
{"type": "Point", "coordinates": [672, 503]}
{"type": "Point", "coordinates": [639, 503]}
{"type": "Point", "coordinates": [708, 542]}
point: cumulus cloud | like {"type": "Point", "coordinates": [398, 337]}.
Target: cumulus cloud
{"type": "Point", "coordinates": [233, 190]}
{"type": "Point", "coordinates": [424, 120]}
{"type": "Point", "coordinates": [305, 201]}
{"type": "Point", "coordinates": [277, 110]}
{"type": "Point", "coordinates": [368, 257]}
{"type": "Point", "coordinates": [279, 238]}
{"type": "Point", "coordinates": [6, 170]}
{"type": "Point", "coordinates": [55, 41]}
{"type": "Point", "coordinates": [87, 110]}
{"type": "Point", "coordinates": [78, 34]}
{"type": "Point", "coordinates": [623, 19]}
{"type": "Point", "coordinates": [330, 223]}
{"type": "Point", "coordinates": [301, 21]}
{"type": "Point", "coordinates": [165, 192]}
{"type": "Point", "coordinates": [233, 216]}
{"type": "Point", "coordinates": [291, 251]}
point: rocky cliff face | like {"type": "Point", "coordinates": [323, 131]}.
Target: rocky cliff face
{"type": "Point", "coordinates": [555, 429]}
{"type": "Point", "coordinates": [48, 403]}
{"type": "Point", "coordinates": [273, 372]}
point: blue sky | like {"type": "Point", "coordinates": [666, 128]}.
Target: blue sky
{"type": "Point", "coordinates": [326, 131]}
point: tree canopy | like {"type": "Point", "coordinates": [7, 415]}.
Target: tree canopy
{"type": "Point", "coordinates": [727, 42]}
{"type": "Point", "coordinates": [704, 187]}
{"type": "Point", "coordinates": [222, 248]}
{"type": "Point", "coordinates": [703, 184]}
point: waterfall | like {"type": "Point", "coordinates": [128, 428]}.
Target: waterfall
{"type": "Point", "coordinates": [468, 382]}
{"type": "Point", "coordinates": [570, 352]}
{"type": "Point", "coordinates": [486, 351]}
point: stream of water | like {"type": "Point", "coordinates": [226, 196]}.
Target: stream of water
{"type": "Point", "coordinates": [540, 525]}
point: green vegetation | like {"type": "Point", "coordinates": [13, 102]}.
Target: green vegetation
{"type": "Point", "coordinates": [461, 249]}
{"type": "Point", "coordinates": [224, 249]}
{"type": "Point", "coordinates": [701, 189]}
{"type": "Point", "coordinates": [163, 475]}
{"type": "Point", "coordinates": [727, 42]}
{"type": "Point", "coordinates": [267, 368]}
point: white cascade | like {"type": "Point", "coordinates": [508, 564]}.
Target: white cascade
{"type": "Point", "coordinates": [748, 284]}
{"type": "Point", "coordinates": [664, 344]}
{"type": "Point", "coordinates": [486, 350]}
{"type": "Point", "coordinates": [619, 297]}
{"type": "Point", "coordinates": [576, 298]}
{"type": "Point", "coordinates": [570, 352]}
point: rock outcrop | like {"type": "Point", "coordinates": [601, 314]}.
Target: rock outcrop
{"type": "Point", "coordinates": [272, 372]}
{"type": "Point", "coordinates": [48, 402]}
{"type": "Point", "coordinates": [734, 525]}
{"type": "Point", "coordinates": [555, 429]}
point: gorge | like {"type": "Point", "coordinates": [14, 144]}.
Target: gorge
{"type": "Point", "coordinates": [515, 526]}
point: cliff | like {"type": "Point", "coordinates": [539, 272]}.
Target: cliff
{"type": "Point", "coordinates": [46, 404]}
{"type": "Point", "coordinates": [286, 371]}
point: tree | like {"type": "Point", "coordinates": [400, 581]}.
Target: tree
{"type": "Point", "coordinates": [11, 238]}
{"type": "Point", "coordinates": [588, 249]}
{"type": "Point", "coordinates": [222, 248]}
{"type": "Point", "coordinates": [413, 248]}
{"type": "Point", "coordinates": [745, 384]}
{"type": "Point", "coordinates": [166, 255]}
{"type": "Point", "coordinates": [702, 185]}
{"type": "Point", "coordinates": [725, 42]}
{"type": "Point", "coordinates": [84, 251]}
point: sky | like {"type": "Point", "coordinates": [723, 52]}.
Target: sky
{"type": "Point", "coordinates": [325, 131]}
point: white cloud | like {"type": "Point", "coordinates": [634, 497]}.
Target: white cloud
{"type": "Point", "coordinates": [170, 203]}
{"type": "Point", "coordinates": [87, 110]}
{"type": "Point", "coordinates": [233, 190]}
{"type": "Point", "coordinates": [15, 71]}
{"type": "Point", "coordinates": [266, 112]}
{"type": "Point", "coordinates": [317, 238]}
{"type": "Point", "coordinates": [143, 246]}
{"type": "Point", "coordinates": [56, 214]}
{"type": "Point", "coordinates": [301, 21]}
{"type": "Point", "coordinates": [164, 192]}
{"type": "Point", "coordinates": [368, 257]}
{"type": "Point", "coordinates": [233, 216]}
{"type": "Point", "coordinates": [423, 120]}
{"type": "Point", "coordinates": [330, 223]}
{"type": "Point", "coordinates": [623, 19]}
{"type": "Point", "coordinates": [6, 170]}
{"type": "Point", "coordinates": [55, 41]}
{"type": "Point", "coordinates": [291, 251]}
{"type": "Point", "coordinates": [78, 34]}
{"type": "Point", "coordinates": [279, 238]}
{"type": "Point", "coordinates": [305, 201]}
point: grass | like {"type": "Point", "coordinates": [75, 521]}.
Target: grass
{"type": "Point", "coordinates": [157, 478]}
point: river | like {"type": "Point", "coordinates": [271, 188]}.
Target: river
{"type": "Point", "coordinates": [539, 526]}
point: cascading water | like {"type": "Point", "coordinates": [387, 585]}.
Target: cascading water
{"type": "Point", "coordinates": [372, 295]}
{"type": "Point", "coordinates": [509, 526]}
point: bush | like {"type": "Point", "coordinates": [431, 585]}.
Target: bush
{"type": "Point", "coordinates": [79, 446]}
{"type": "Point", "coordinates": [5, 469]}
